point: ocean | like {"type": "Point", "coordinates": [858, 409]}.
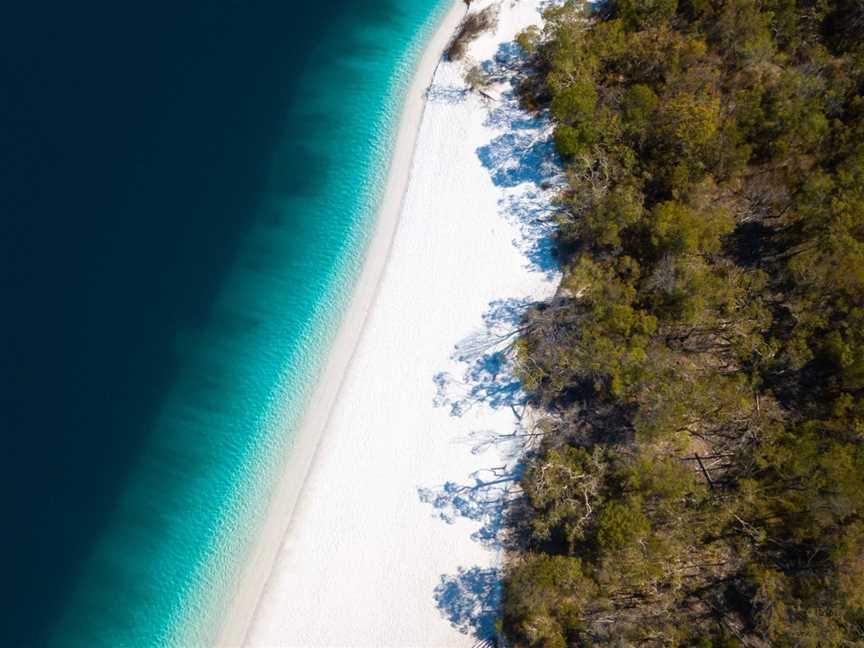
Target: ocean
{"type": "Point", "coordinates": [186, 192]}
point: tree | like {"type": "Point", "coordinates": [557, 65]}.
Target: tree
{"type": "Point", "coordinates": [644, 14]}
{"type": "Point", "coordinates": [678, 230]}
{"type": "Point", "coordinates": [700, 371]}
{"type": "Point", "coordinates": [621, 524]}
{"type": "Point", "coordinates": [562, 488]}
{"type": "Point", "coordinates": [544, 600]}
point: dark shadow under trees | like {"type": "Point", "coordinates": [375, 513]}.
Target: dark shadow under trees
{"type": "Point", "coordinates": [522, 162]}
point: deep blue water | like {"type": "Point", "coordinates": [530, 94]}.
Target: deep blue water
{"type": "Point", "coordinates": [186, 189]}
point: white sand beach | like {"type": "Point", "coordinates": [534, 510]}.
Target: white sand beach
{"type": "Point", "coordinates": [414, 432]}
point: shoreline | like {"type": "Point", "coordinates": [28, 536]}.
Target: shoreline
{"type": "Point", "coordinates": [258, 566]}
{"type": "Point", "coordinates": [394, 538]}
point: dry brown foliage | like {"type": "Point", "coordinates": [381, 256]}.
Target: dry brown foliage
{"type": "Point", "coordinates": [470, 28]}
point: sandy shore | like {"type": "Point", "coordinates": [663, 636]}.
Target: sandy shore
{"type": "Point", "coordinates": [256, 572]}
{"type": "Point", "coordinates": [391, 541]}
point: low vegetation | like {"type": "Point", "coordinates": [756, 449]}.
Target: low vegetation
{"type": "Point", "coordinates": [474, 24]}
{"type": "Point", "coordinates": [699, 376]}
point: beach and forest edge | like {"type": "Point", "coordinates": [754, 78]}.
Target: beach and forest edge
{"type": "Point", "coordinates": [435, 323]}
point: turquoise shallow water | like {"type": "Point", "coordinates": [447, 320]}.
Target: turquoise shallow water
{"type": "Point", "coordinates": [213, 436]}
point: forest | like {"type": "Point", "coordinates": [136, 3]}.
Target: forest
{"type": "Point", "coordinates": [697, 381]}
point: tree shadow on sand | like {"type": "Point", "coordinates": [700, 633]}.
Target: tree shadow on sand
{"type": "Point", "coordinates": [515, 157]}
{"type": "Point", "coordinates": [521, 161]}
{"type": "Point", "coordinates": [486, 353]}
{"type": "Point", "coordinates": [446, 94]}
{"type": "Point", "coordinates": [469, 599]}
{"type": "Point", "coordinates": [482, 499]}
